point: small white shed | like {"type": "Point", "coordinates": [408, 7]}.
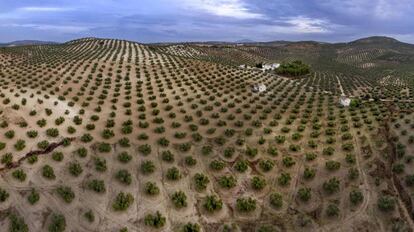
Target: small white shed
{"type": "Point", "coordinates": [344, 101]}
{"type": "Point", "coordinates": [258, 88]}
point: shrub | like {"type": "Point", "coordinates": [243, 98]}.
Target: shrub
{"type": "Point", "coordinates": [212, 203]}
{"type": "Point", "coordinates": [100, 164]}
{"type": "Point", "coordinates": [124, 177]}
{"type": "Point", "coordinates": [331, 186]}
{"type": "Point", "coordinates": [173, 174]}
{"type": "Point", "coordinates": [4, 195]}
{"type": "Point", "coordinates": [217, 165]}
{"type": "Point", "coordinates": [184, 147]}
{"type": "Point", "coordinates": [284, 179]}
{"type": "Point", "coordinates": [190, 161]}
{"type": "Point", "coordinates": [97, 185]}
{"type": "Point", "coordinates": [57, 156]}
{"type": "Point", "coordinates": [258, 183]}
{"type": "Point", "coordinates": [350, 158]}
{"type": "Point", "coordinates": [59, 120]}
{"type": "Point", "coordinates": [124, 142]}
{"type": "Point", "coordinates": [89, 216]}
{"type": "Point", "coordinates": [304, 194]}
{"type": "Point", "coordinates": [328, 151]}
{"type": "Point", "coordinates": [332, 165]}
{"type": "Point", "coordinates": [122, 201]}
{"type": "Point", "coordinates": [104, 147]}
{"type": "Point", "coordinates": [227, 181]}
{"type": "Point", "coordinates": [144, 149]}
{"type": "Point", "coordinates": [251, 152]}
{"type": "Point", "coordinates": [167, 156]}
{"type": "Point", "coordinates": [355, 196]}
{"type": "Point", "coordinates": [398, 168]}
{"type": "Point", "coordinates": [276, 200]}
{"type": "Point", "coordinates": [245, 205]}
{"type": "Point", "coordinates": [66, 193]}
{"type": "Point", "coordinates": [310, 156]}
{"type": "Point", "coordinates": [309, 173]}
{"type": "Point", "coordinates": [200, 181]}
{"type": "Point", "coordinates": [386, 203]}
{"type": "Point", "coordinates": [32, 159]}
{"type": "Point", "coordinates": [206, 150]}
{"type": "Point", "coordinates": [47, 172]}
{"type": "Point", "coordinates": [7, 159]}
{"type": "Point", "coordinates": [163, 142]}
{"type": "Point", "coordinates": [155, 220]}
{"type": "Point", "coordinates": [20, 145]}
{"type": "Point", "coordinates": [288, 161]}
{"type": "Point", "coordinates": [332, 210]}
{"type": "Point", "coordinates": [241, 165]}
{"type": "Point", "coordinates": [147, 167]}
{"type": "Point", "coordinates": [179, 199]}
{"type": "Point", "coordinates": [32, 134]}
{"type": "Point", "coordinates": [57, 223]}
{"type": "Point", "coordinates": [86, 138]}
{"type": "Point", "coordinates": [266, 165]}
{"type": "Point", "coordinates": [52, 132]}
{"type": "Point", "coordinates": [151, 188]}
{"type": "Point", "coordinates": [124, 157]}
{"type": "Point", "coordinates": [409, 180]}
{"type": "Point", "coordinates": [41, 123]}
{"type": "Point", "coordinates": [19, 174]}
{"type": "Point", "coordinates": [75, 168]}
{"type": "Point", "coordinates": [82, 152]}
{"type": "Point", "coordinates": [191, 227]}
{"type": "Point", "coordinates": [17, 224]}
{"type": "Point", "coordinates": [33, 197]}
{"type": "Point", "coordinates": [9, 134]}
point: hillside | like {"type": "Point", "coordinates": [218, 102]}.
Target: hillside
{"type": "Point", "coordinates": [367, 55]}
{"type": "Point", "coordinates": [113, 135]}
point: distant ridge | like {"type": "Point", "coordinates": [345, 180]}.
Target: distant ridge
{"type": "Point", "coordinates": [245, 41]}
{"type": "Point", "coordinates": [26, 43]}
{"type": "Point", "coordinates": [373, 40]}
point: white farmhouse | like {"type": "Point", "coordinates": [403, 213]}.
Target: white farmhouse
{"type": "Point", "coordinates": [270, 66]}
{"type": "Point", "coordinates": [258, 88]}
{"type": "Point", "coordinates": [344, 101]}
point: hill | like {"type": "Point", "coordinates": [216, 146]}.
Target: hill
{"type": "Point", "coordinates": [26, 43]}
{"type": "Point", "coordinates": [113, 135]}
{"type": "Point", "coordinates": [375, 40]}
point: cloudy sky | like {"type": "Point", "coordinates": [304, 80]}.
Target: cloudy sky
{"type": "Point", "coordinates": [206, 20]}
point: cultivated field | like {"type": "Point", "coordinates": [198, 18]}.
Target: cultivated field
{"type": "Point", "coordinates": [111, 135]}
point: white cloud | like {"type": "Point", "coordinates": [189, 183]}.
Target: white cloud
{"type": "Point", "coordinates": [43, 9]}
{"type": "Point", "coordinates": [302, 24]}
{"type": "Point", "coordinates": [377, 9]}
{"type": "Point", "coordinates": [51, 27]}
{"type": "Point", "coordinates": [28, 12]}
{"type": "Point", "coordinates": [385, 9]}
{"type": "Point", "coordinates": [225, 8]}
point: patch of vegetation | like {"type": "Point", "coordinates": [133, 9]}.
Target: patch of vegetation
{"type": "Point", "coordinates": [294, 68]}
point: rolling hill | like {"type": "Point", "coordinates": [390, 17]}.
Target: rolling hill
{"type": "Point", "coordinates": [114, 135]}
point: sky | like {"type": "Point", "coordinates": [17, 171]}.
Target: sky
{"type": "Point", "coordinates": [150, 21]}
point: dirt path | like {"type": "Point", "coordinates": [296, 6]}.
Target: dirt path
{"type": "Point", "coordinates": [340, 86]}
